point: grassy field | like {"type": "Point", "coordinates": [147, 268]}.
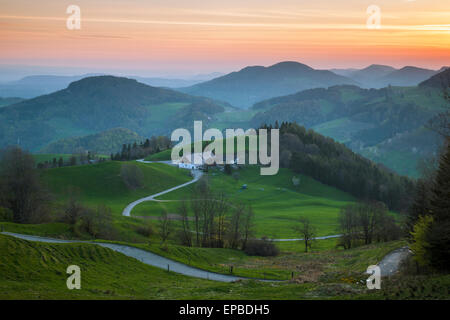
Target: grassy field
{"type": "Point", "coordinates": [277, 203]}
{"type": "Point", "coordinates": [30, 270]}
{"type": "Point", "coordinates": [102, 184]}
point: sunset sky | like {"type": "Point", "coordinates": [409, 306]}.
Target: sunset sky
{"type": "Point", "coordinates": [180, 37]}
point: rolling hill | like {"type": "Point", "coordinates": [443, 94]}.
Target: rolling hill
{"type": "Point", "coordinates": [367, 120]}
{"type": "Point", "coordinates": [37, 85]}
{"type": "Point", "coordinates": [252, 84]}
{"type": "Point", "coordinates": [96, 104]}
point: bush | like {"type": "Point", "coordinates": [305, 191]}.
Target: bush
{"type": "Point", "coordinates": [132, 176]}
{"type": "Point", "coordinates": [145, 230]}
{"type": "Point", "coordinates": [97, 223]}
{"type": "Point", "coordinates": [6, 215]}
{"type": "Point", "coordinates": [263, 248]}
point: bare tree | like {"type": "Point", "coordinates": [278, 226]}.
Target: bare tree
{"type": "Point", "coordinates": [165, 226]}
{"type": "Point", "coordinates": [186, 231]}
{"type": "Point", "coordinates": [306, 231]}
{"type": "Point", "coordinates": [20, 188]}
{"type": "Point", "coordinates": [348, 223]}
{"type": "Point", "coordinates": [234, 232]}
{"type": "Point", "coordinates": [248, 226]}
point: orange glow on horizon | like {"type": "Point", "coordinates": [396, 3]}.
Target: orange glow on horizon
{"type": "Point", "coordinates": [219, 35]}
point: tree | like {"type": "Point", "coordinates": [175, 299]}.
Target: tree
{"type": "Point", "coordinates": [306, 231]}
{"type": "Point", "coordinates": [348, 225]}
{"type": "Point", "coordinates": [235, 228]}
{"type": "Point", "coordinates": [248, 226]}
{"type": "Point", "coordinates": [165, 227]}
{"type": "Point", "coordinates": [420, 245]}
{"type": "Point", "coordinates": [439, 235]}
{"type": "Point", "coordinates": [20, 187]}
{"type": "Point", "coordinates": [186, 231]}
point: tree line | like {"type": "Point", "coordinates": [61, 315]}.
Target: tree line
{"type": "Point", "coordinates": [138, 151]}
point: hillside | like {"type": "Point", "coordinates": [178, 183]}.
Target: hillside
{"type": "Point", "coordinates": [111, 275]}
{"type": "Point", "coordinates": [106, 142]}
{"type": "Point", "coordinates": [37, 85]}
{"type": "Point", "coordinates": [96, 104]}
{"type": "Point", "coordinates": [7, 101]}
{"type": "Point", "coordinates": [252, 84]}
{"type": "Point", "coordinates": [438, 81]}
{"type": "Point", "coordinates": [276, 201]}
{"type": "Point", "coordinates": [361, 118]}
{"type": "Point", "coordinates": [102, 183]}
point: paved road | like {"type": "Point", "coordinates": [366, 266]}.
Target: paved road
{"type": "Point", "coordinates": [301, 239]}
{"type": "Point", "coordinates": [169, 162]}
{"type": "Point", "coordinates": [143, 256]}
{"type": "Point", "coordinates": [126, 212]}
{"type": "Point", "coordinates": [390, 264]}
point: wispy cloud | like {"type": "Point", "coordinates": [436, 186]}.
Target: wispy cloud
{"type": "Point", "coordinates": [309, 26]}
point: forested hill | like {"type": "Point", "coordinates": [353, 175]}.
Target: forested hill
{"type": "Point", "coordinates": [439, 81]}
{"type": "Point", "coordinates": [332, 163]}
{"type": "Point", "coordinates": [105, 142]}
{"type": "Point", "coordinates": [369, 121]}
{"type": "Point", "coordinates": [95, 104]}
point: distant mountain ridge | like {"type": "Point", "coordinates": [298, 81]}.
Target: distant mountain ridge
{"type": "Point", "coordinates": [252, 84]}
{"type": "Point", "coordinates": [380, 76]}
{"type": "Point", "coordinates": [37, 85]}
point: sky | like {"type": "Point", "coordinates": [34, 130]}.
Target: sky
{"type": "Point", "coordinates": [181, 38]}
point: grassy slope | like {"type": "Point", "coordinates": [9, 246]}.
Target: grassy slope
{"type": "Point", "coordinates": [101, 183]}
{"type": "Point", "coordinates": [30, 270]}
{"type": "Point", "coordinates": [276, 202]}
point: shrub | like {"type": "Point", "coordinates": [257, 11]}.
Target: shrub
{"type": "Point", "coordinates": [145, 230]}
{"type": "Point", "coordinates": [263, 248]}
{"type": "Point", "coordinates": [97, 223]}
{"type": "Point", "coordinates": [6, 215]}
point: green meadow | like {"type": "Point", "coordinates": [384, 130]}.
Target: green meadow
{"type": "Point", "coordinates": [276, 201]}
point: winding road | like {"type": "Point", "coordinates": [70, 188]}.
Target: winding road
{"type": "Point", "coordinates": [127, 211]}
{"type": "Point", "coordinates": [388, 265]}
{"type": "Point", "coordinates": [143, 256]}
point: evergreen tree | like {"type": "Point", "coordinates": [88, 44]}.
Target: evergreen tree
{"type": "Point", "coordinates": [439, 235]}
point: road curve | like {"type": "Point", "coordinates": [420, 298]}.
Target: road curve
{"type": "Point", "coordinates": [143, 256]}
{"type": "Point", "coordinates": [127, 211]}
{"type": "Point", "coordinates": [390, 264]}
